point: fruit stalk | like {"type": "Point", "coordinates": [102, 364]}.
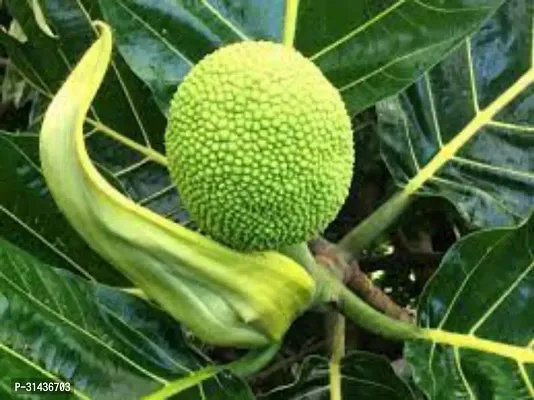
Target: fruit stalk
{"type": "Point", "coordinates": [330, 290]}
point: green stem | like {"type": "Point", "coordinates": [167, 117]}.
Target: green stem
{"type": "Point", "coordinates": [354, 308]}
{"type": "Point", "coordinates": [290, 23]}
{"type": "Point", "coordinates": [136, 292]}
{"type": "Point", "coordinates": [361, 313]}
{"type": "Point", "coordinates": [369, 229]}
{"type": "Point", "coordinates": [331, 290]}
{"type": "Point", "coordinates": [338, 352]}
{"type": "Point", "coordinates": [254, 361]}
{"type": "Point", "coordinates": [182, 384]}
{"type": "Point", "coordinates": [250, 364]}
{"type": "Point", "coordinates": [301, 254]}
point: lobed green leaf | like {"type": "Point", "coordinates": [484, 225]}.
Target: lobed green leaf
{"type": "Point", "coordinates": [478, 312]}
{"type": "Point", "coordinates": [108, 344]}
{"type": "Point", "coordinates": [465, 130]}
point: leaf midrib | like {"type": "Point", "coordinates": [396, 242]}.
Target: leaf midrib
{"type": "Point", "coordinates": [522, 355]}
{"type": "Point", "coordinates": [359, 29]}
{"type": "Point", "coordinates": [483, 117]}
{"type": "Point", "coordinates": [150, 153]}
{"type": "Point", "coordinates": [290, 22]}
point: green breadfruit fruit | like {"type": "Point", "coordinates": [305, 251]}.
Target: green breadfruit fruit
{"type": "Point", "coordinates": [260, 146]}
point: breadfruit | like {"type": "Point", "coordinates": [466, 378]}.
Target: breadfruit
{"type": "Point", "coordinates": [260, 146]}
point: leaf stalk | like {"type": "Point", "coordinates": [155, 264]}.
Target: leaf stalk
{"type": "Point", "coordinates": [369, 229]}
{"type": "Point", "coordinates": [290, 22]}
{"type": "Point", "coordinates": [338, 352]}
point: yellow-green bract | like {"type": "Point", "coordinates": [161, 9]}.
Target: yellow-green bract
{"type": "Point", "coordinates": [260, 146]}
{"type": "Point", "coordinates": [224, 297]}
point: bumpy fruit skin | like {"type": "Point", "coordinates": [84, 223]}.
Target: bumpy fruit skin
{"type": "Point", "coordinates": [260, 146]}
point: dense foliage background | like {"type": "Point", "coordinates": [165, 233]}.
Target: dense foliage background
{"type": "Point", "coordinates": [418, 79]}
